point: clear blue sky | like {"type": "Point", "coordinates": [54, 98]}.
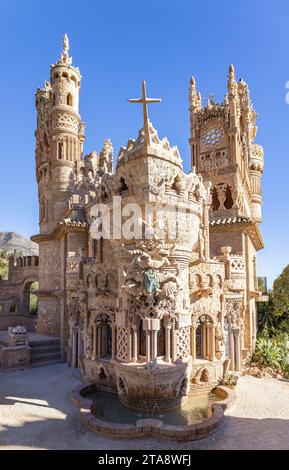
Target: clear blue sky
{"type": "Point", "coordinates": [118, 43]}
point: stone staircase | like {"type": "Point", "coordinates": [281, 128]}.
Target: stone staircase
{"type": "Point", "coordinates": [45, 352]}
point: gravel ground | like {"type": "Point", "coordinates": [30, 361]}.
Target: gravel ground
{"type": "Point", "coordinates": [36, 413]}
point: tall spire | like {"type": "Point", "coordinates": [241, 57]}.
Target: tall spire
{"type": "Point", "coordinates": [64, 56]}
{"type": "Point", "coordinates": [195, 98]}
{"type": "Point", "coordinates": [232, 84]}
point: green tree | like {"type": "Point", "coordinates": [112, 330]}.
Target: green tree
{"type": "Point", "coordinates": [4, 265]}
{"type": "Point", "coordinates": [281, 295]}
{"type": "Point", "coordinates": [266, 315]}
{"type": "Point", "coordinates": [33, 307]}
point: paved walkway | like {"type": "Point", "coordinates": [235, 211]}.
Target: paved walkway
{"type": "Point", "coordinates": [36, 413]}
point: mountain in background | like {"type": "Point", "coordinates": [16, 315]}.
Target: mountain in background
{"type": "Point", "coordinates": [11, 241]}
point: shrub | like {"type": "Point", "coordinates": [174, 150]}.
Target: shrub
{"type": "Point", "coordinates": [272, 351]}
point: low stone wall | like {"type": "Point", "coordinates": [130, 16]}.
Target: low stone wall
{"type": "Point", "coordinates": [15, 357]}
{"type": "Point", "coordinates": [153, 427]}
{"type": "Point", "coordinates": [29, 321]}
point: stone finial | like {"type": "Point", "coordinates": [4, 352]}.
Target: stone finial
{"type": "Point", "coordinates": [64, 56]}
{"type": "Point", "coordinates": [65, 43]}
{"type": "Point", "coordinates": [106, 156]}
{"type": "Point", "coordinates": [232, 84]}
{"type": "Point", "coordinates": [195, 98]}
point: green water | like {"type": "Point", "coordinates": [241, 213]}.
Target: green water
{"type": "Point", "coordinates": [108, 408]}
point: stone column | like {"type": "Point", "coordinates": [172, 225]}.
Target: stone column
{"type": "Point", "coordinates": [154, 345]}
{"type": "Point", "coordinates": [151, 327]}
{"type": "Point", "coordinates": [113, 340]}
{"type": "Point", "coordinates": [193, 343]}
{"type": "Point", "coordinates": [213, 343]}
{"type": "Point", "coordinates": [173, 342]}
{"type": "Point", "coordinates": [80, 344]}
{"type": "Point", "coordinates": [204, 340]}
{"type": "Point", "coordinates": [206, 232]}
{"type": "Point", "coordinates": [135, 343]}
{"type": "Point", "coordinates": [237, 350]}
{"type": "Point", "coordinates": [103, 340]}
{"type": "Point", "coordinates": [148, 347]}
{"type": "Point", "coordinates": [94, 341]}
{"type": "Point", "coordinates": [74, 348]}
{"type": "Point", "coordinates": [168, 343]}
{"type": "Point", "coordinates": [232, 350]}
{"type": "Point", "coordinates": [99, 328]}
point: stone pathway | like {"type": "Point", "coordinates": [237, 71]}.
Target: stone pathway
{"type": "Point", "coordinates": [36, 413]}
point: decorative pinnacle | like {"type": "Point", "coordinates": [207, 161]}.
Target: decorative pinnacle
{"type": "Point", "coordinates": [64, 56]}
{"type": "Point", "coordinates": [65, 44]}
{"type": "Point", "coordinates": [193, 91]}
{"type": "Point", "coordinates": [145, 100]}
{"type": "Point", "coordinates": [232, 84]}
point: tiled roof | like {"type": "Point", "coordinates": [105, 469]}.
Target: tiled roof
{"type": "Point", "coordinates": [230, 220]}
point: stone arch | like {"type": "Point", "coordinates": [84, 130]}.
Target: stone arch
{"type": "Point", "coordinates": [103, 374]}
{"type": "Point", "coordinates": [210, 280]}
{"type": "Point", "coordinates": [219, 281]}
{"type": "Point", "coordinates": [30, 304]}
{"type": "Point", "coordinates": [204, 337]}
{"type": "Point", "coordinates": [198, 281]}
{"type": "Point", "coordinates": [121, 386]}
{"type": "Point", "coordinates": [161, 344]}
{"type": "Point", "coordinates": [228, 203]}
{"type": "Point", "coordinates": [104, 336]}
{"type": "Point", "coordinates": [215, 200]}
{"type": "Point", "coordinates": [123, 187]}
{"type": "Point", "coordinates": [202, 376]}
{"type": "Point", "coordinates": [205, 376]}
{"type": "Point", "coordinates": [14, 306]}
{"type": "Point", "coordinates": [69, 99]}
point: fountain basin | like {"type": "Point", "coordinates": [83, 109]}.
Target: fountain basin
{"type": "Point", "coordinates": [103, 413]}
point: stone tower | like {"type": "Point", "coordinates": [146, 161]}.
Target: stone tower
{"type": "Point", "coordinates": [59, 141]}
{"type": "Point", "coordinates": [223, 151]}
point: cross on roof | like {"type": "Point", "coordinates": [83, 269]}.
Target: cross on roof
{"type": "Point", "coordinates": [144, 100]}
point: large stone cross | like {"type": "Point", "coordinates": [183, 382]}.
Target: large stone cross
{"type": "Point", "coordinates": [145, 100]}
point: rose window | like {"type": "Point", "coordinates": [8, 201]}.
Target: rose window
{"type": "Point", "coordinates": [213, 136]}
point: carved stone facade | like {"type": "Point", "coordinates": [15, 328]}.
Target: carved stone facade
{"type": "Point", "coordinates": [166, 311]}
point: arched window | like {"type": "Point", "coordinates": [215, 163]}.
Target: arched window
{"type": "Point", "coordinates": [215, 200]}
{"type": "Point", "coordinates": [219, 281]}
{"type": "Point", "coordinates": [161, 340]}
{"type": "Point", "coordinates": [60, 150]}
{"type": "Point", "coordinates": [13, 308]}
{"type": "Point", "coordinates": [74, 80]}
{"type": "Point", "coordinates": [229, 200]}
{"type": "Point", "coordinates": [104, 338]}
{"type": "Point", "coordinates": [203, 338]}
{"type": "Point", "coordinates": [69, 99]}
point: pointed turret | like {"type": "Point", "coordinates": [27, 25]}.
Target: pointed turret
{"type": "Point", "coordinates": [59, 138]}
{"type": "Point", "coordinates": [232, 84]}
{"type": "Point", "coordinates": [195, 98]}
